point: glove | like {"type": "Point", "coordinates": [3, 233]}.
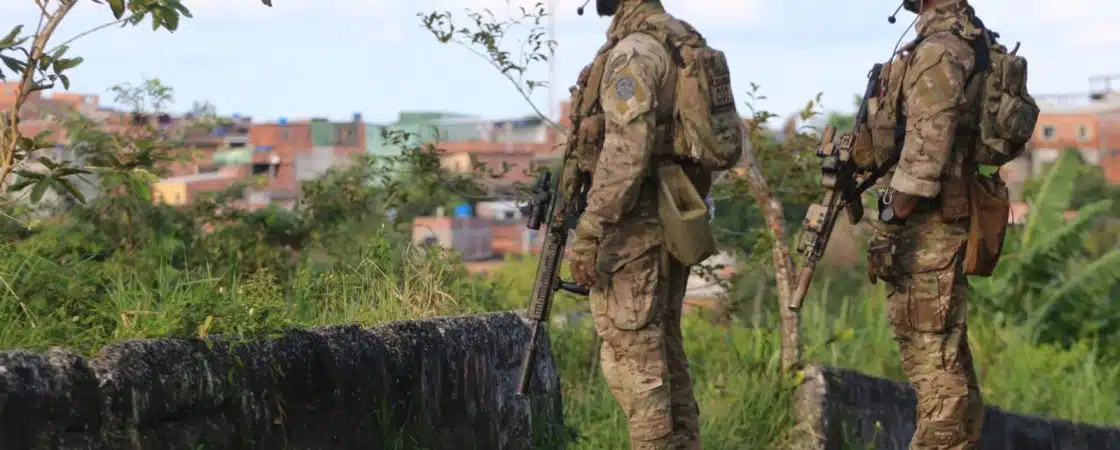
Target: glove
{"type": "Point", "coordinates": [881, 261]}
{"type": "Point", "coordinates": [584, 251]}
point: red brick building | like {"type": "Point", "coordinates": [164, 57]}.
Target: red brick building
{"type": "Point", "coordinates": [1088, 122]}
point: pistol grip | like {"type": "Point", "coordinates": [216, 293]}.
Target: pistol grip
{"type": "Point", "coordinates": [855, 210]}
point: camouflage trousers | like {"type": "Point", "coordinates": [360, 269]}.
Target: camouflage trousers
{"type": "Point", "coordinates": [927, 308]}
{"type": "Point", "coordinates": [637, 315]}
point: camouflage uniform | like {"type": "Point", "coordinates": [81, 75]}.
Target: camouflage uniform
{"type": "Point", "coordinates": [929, 292]}
{"type": "Point", "coordinates": [636, 302]}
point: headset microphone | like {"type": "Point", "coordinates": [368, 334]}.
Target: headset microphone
{"type": "Point", "coordinates": [580, 9]}
{"type": "Point", "coordinates": [891, 18]}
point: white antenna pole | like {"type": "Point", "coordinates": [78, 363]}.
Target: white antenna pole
{"type": "Point", "coordinates": [552, 61]}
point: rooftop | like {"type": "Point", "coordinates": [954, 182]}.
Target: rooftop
{"type": "Point", "coordinates": [209, 176]}
{"type": "Point", "coordinates": [1082, 103]}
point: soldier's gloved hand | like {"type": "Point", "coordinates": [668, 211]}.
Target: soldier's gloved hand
{"type": "Point", "coordinates": [881, 261]}
{"type": "Point", "coordinates": [584, 251]}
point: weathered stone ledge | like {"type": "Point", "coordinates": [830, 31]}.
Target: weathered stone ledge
{"type": "Point", "coordinates": [844, 409]}
{"type": "Point", "coordinates": [425, 384]}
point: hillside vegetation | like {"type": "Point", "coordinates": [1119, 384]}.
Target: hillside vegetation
{"type": "Point", "coordinates": [82, 271]}
{"type": "Point", "coordinates": [121, 268]}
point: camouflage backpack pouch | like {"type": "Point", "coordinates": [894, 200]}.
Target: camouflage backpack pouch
{"type": "Point", "coordinates": [708, 128]}
{"type": "Point", "coordinates": [1008, 113]}
{"type": "Point", "coordinates": [885, 124]}
{"type": "Point", "coordinates": [711, 131]}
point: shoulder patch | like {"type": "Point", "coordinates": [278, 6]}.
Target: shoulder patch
{"type": "Point", "coordinates": [634, 73]}
{"type": "Point", "coordinates": [624, 87]}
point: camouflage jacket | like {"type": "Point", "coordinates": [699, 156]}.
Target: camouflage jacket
{"type": "Point", "coordinates": [936, 104]}
{"type": "Point", "coordinates": [635, 89]}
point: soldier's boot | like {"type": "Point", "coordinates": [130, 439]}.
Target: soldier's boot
{"type": "Point", "coordinates": [941, 435]}
{"type": "Point", "coordinates": [975, 422]}
{"type": "Point", "coordinates": [951, 414]}
{"type": "Point", "coordinates": [686, 425]}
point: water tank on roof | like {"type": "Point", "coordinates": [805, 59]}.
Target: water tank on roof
{"type": "Point", "coordinates": [282, 121]}
{"type": "Point", "coordinates": [463, 210]}
{"type": "Point", "coordinates": [235, 115]}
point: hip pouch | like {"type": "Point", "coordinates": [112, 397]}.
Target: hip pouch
{"type": "Point", "coordinates": [990, 207]}
{"type": "Point", "coordinates": [684, 217]}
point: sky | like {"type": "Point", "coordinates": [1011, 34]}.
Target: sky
{"type": "Point", "coordinates": [334, 58]}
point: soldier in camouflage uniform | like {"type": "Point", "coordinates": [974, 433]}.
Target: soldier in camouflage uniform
{"type": "Point", "coordinates": [618, 249]}
{"type": "Point", "coordinates": [919, 252]}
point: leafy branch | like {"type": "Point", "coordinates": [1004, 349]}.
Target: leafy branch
{"type": "Point", "coordinates": [484, 36]}
{"type": "Point", "coordinates": [38, 66]}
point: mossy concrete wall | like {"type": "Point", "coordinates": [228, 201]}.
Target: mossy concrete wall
{"type": "Point", "coordinates": [426, 384]}
{"type": "Point", "coordinates": [843, 409]}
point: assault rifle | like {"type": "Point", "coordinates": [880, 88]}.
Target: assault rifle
{"type": "Point", "coordinates": [845, 185]}
{"type": "Point", "coordinates": [559, 205]}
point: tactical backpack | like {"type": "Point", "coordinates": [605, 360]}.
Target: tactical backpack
{"type": "Point", "coordinates": [709, 131]}
{"type": "Point", "coordinates": [706, 125]}
{"type": "Point", "coordinates": [1008, 113]}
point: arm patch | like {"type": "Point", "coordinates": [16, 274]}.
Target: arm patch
{"type": "Point", "coordinates": [630, 84]}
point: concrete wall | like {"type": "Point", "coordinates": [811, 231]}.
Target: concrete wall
{"type": "Point", "coordinates": [313, 164]}
{"type": "Point", "coordinates": [843, 409]}
{"type": "Point", "coordinates": [428, 384]}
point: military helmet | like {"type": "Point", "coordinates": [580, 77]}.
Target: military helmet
{"type": "Point", "coordinates": [913, 6]}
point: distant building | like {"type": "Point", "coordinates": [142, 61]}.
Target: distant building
{"type": "Point", "coordinates": [182, 190]}
{"type": "Point", "coordinates": [469, 236]}
{"type": "Point", "coordinates": [1089, 122]}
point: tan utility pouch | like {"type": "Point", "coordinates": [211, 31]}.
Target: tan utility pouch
{"type": "Point", "coordinates": [684, 217]}
{"type": "Point", "coordinates": [990, 206]}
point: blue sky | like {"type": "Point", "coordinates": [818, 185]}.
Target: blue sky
{"type": "Point", "coordinates": [297, 60]}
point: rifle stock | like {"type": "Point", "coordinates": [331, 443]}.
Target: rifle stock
{"type": "Point", "coordinates": [560, 205]}
{"type": "Point", "coordinates": [844, 190]}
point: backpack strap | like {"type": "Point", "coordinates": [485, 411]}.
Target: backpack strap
{"type": "Point", "coordinates": [981, 46]}
{"type": "Point", "coordinates": [982, 50]}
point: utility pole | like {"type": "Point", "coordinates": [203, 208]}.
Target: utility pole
{"type": "Point", "coordinates": [1100, 87]}
{"type": "Point", "coordinates": [552, 61]}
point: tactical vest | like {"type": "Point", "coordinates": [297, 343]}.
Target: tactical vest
{"type": "Point", "coordinates": [701, 133]}
{"type": "Point", "coordinates": [992, 130]}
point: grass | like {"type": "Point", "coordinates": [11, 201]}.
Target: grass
{"type": "Point", "coordinates": [86, 304]}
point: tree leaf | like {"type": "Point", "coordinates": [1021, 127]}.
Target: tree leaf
{"type": "Point", "coordinates": [64, 64]}
{"type": "Point", "coordinates": [48, 163]}
{"type": "Point", "coordinates": [39, 189]}
{"type": "Point", "coordinates": [69, 187]}
{"type": "Point", "coordinates": [170, 19]}
{"type": "Point", "coordinates": [10, 38]}
{"type": "Point", "coordinates": [20, 185]}
{"type": "Point", "coordinates": [28, 174]}
{"type": "Point", "coordinates": [14, 64]}
{"type": "Point", "coordinates": [60, 51]}
{"type": "Point", "coordinates": [118, 8]}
